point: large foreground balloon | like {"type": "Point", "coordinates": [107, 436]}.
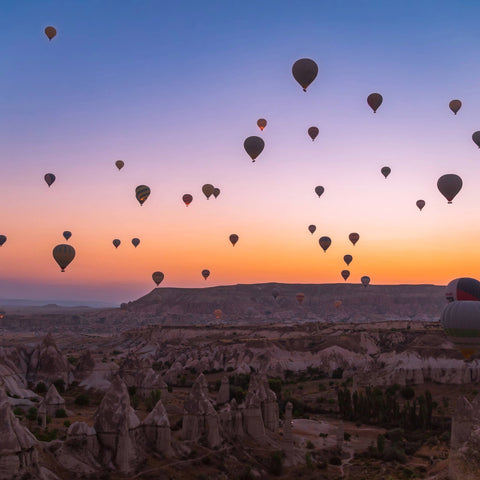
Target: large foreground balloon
{"type": "Point", "coordinates": [217, 313]}
{"type": "Point", "coordinates": [67, 235]}
{"type": "Point", "coordinates": [319, 190]}
{"type": "Point", "coordinates": [116, 242]}
{"type": "Point", "coordinates": [142, 192]}
{"type": "Point", "coordinates": [3, 239]}
{"type": "Point", "coordinates": [461, 321]}
{"type": "Point", "coordinates": [135, 242]}
{"type": "Point", "coordinates": [313, 133]}
{"type": "Point", "coordinates": [449, 185]}
{"type": "Point", "coordinates": [476, 138]}
{"type": "Point", "coordinates": [254, 146]}
{"type": "Point", "coordinates": [347, 259]}
{"type": "Point", "coordinates": [420, 204]}
{"type": "Point", "coordinates": [216, 192]}
{"type": "Point", "coordinates": [354, 237]}
{"type": "Point", "coordinates": [325, 242]}
{"type": "Point", "coordinates": [205, 273]}
{"type": "Point", "coordinates": [386, 171]}
{"type": "Point", "coordinates": [158, 277]}
{"type": "Point", "coordinates": [312, 228]}
{"type": "Point", "coordinates": [463, 288]}
{"type": "Point", "coordinates": [50, 32]}
{"type": "Point", "coordinates": [345, 274]}
{"type": "Point", "coordinates": [63, 255]}
{"type": "Point", "coordinates": [49, 178]}
{"type": "Point", "coordinates": [187, 199]}
{"type": "Point", "coordinates": [304, 72]}
{"type": "Point", "coordinates": [455, 106]}
{"type": "Point", "coordinates": [119, 164]}
{"type": "Point", "coordinates": [300, 297]}
{"type": "Point", "coordinates": [233, 238]}
{"type": "Point", "coordinates": [374, 100]}
{"type": "Point", "coordinates": [365, 281]}
{"type": "Point", "coordinates": [262, 123]}
{"type": "Point", "coordinates": [208, 189]}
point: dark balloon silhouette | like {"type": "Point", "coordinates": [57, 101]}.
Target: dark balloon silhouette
{"type": "Point", "coordinates": [116, 242]}
{"type": "Point", "coordinates": [345, 274]}
{"type": "Point", "coordinates": [67, 235]}
{"type": "Point", "coordinates": [325, 242]}
{"type": "Point", "coordinates": [319, 190]}
{"type": "Point", "coordinates": [312, 228]}
{"type": "Point", "coordinates": [254, 146]}
{"type": "Point", "coordinates": [304, 71]}
{"type": "Point", "coordinates": [420, 204]}
{"type": "Point", "coordinates": [347, 259]}
{"type": "Point", "coordinates": [135, 242]}
{"type": "Point", "coordinates": [449, 186]}
{"type": "Point", "coordinates": [365, 281]}
{"type": "Point", "coordinates": [63, 255]}
{"type": "Point", "coordinates": [476, 138]}
{"type": "Point", "coordinates": [3, 239]}
{"type": "Point", "coordinates": [50, 32]}
{"type": "Point", "coordinates": [313, 133]}
{"type": "Point", "coordinates": [233, 238]}
{"type": "Point", "coordinates": [205, 273]}
{"type": "Point", "coordinates": [386, 171]}
{"type": "Point", "coordinates": [49, 178]}
{"type": "Point", "coordinates": [142, 192]}
{"type": "Point", "coordinates": [354, 238]}
{"type": "Point", "coordinates": [187, 199]}
{"type": "Point", "coordinates": [158, 277]}
{"type": "Point", "coordinates": [262, 123]}
{"type": "Point", "coordinates": [455, 106]}
{"type": "Point", "coordinates": [208, 189]}
{"type": "Point", "coordinates": [216, 192]}
{"type": "Point", "coordinates": [374, 100]}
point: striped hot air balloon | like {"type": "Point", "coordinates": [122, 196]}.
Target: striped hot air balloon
{"type": "Point", "coordinates": [63, 255]}
{"type": "Point", "coordinates": [142, 192]}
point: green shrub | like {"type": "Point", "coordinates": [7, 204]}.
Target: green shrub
{"type": "Point", "coordinates": [308, 460]}
{"type": "Point", "coordinates": [335, 461]}
{"type": "Point", "coordinates": [347, 436]}
{"type": "Point", "coordinates": [310, 445]}
{"type": "Point", "coordinates": [67, 423]}
{"type": "Point", "coordinates": [32, 414]}
{"type": "Point", "coordinates": [45, 436]}
{"type": "Point", "coordinates": [152, 399]}
{"type": "Point", "coordinates": [275, 384]}
{"type": "Point", "coordinates": [394, 453]}
{"type": "Point", "coordinates": [132, 390]}
{"type": "Point", "coordinates": [276, 463]}
{"type": "Point", "coordinates": [82, 400]}
{"type": "Point", "coordinates": [381, 443]}
{"type": "Point", "coordinates": [40, 388]}
{"type": "Point", "coordinates": [407, 393]}
{"type": "Point", "coordinates": [337, 373]}
{"type": "Point", "coordinates": [321, 387]}
{"type": "Point", "coordinates": [60, 385]}
{"type": "Point", "coordinates": [18, 411]}
{"type": "Point", "coordinates": [72, 360]}
{"type": "Point", "coordinates": [60, 413]}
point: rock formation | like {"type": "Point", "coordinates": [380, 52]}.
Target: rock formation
{"type": "Point", "coordinates": [117, 427]}
{"type": "Point", "coordinates": [157, 430]}
{"type": "Point", "coordinates": [287, 440]}
{"type": "Point", "coordinates": [224, 392]}
{"type": "Point", "coordinates": [200, 420]}
{"type": "Point", "coordinates": [258, 387]}
{"type": "Point", "coordinates": [53, 401]}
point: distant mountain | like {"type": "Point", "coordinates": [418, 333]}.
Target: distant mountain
{"type": "Point", "coordinates": [20, 302]}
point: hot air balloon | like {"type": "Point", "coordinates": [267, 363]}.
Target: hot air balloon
{"type": "Point", "coordinates": [420, 204]}
{"type": "Point", "coordinates": [275, 293]}
{"type": "Point", "coordinates": [347, 259]}
{"type": "Point", "coordinates": [135, 242]}
{"type": "Point", "coordinates": [142, 192]}
{"type": "Point", "coordinates": [476, 138]}
{"type": "Point", "coordinates": [337, 303]}
{"type": "Point", "coordinates": [233, 238]}
{"type": "Point", "coordinates": [49, 178]}
{"type": "Point", "coordinates": [208, 189]}
{"type": "Point", "coordinates": [158, 277]}
{"type": "Point", "coordinates": [455, 106]}
{"type": "Point", "coordinates": [116, 242]}
{"type": "Point", "coordinates": [374, 100]}
{"type": "Point", "coordinates": [2, 313]}
{"type": "Point", "coordinates": [325, 242]}
{"type": "Point", "coordinates": [365, 281]}
{"type": "Point", "coordinates": [119, 164]}
{"type": "Point", "coordinates": [254, 146]}
{"type": "Point", "coordinates": [386, 171]}
{"type": "Point", "coordinates": [217, 313]}
{"type": "Point", "coordinates": [319, 190]}
{"type": "Point", "coordinates": [63, 255]}
{"type": "Point", "coordinates": [3, 239]}
{"type": "Point", "coordinates": [354, 237]}
{"type": "Point", "coordinates": [461, 321]}
{"type": "Point", "coordinates": [464, 288]}
{"type": "Point", "coordinates": [312, 228]}
{"type": "Point", "coordinates": [304, 72]}
{"type": "Point", "coordinates": [50, 32]}
{"type": "Point", "coordinates": [345, 274]}
{"type": "Point", "coordinates": [449, 185]}
{"type": "Point", "coordinates": [262, 123]}
{"type": "Point", "coordinates": [313, 132]}
{"type": "Point", "coordinates": [187, 199]}
{"type": "Point", "coordinates": [205, 274]}
{"type": "Point", "coordinates": [216, 192]}
{"type": "Point", "coordinates": [67, 235]}
{"type": "Point", "coordinates": [300, 297]}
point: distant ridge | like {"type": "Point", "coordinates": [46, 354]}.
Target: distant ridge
{"type": "Point", "coordinates": [20, 302]}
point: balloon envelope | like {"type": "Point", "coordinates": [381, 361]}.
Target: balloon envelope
{"type": "Point", "coordinates": [449, 185]}
{"type": "Point", "coordinates": [63, 255]}
{"type": "Point", "coordinates": [205, 273]}
{"type": "Point", "coordinates": [354, 237]}
{"type": "Point", "coordinates": [325, 242]}
{"type": "Point", "coordinates": [345, 274]}
{"type": "Point", "coordinates": [49, 178]}
{"type": "Point", "coordinates": [300, 297]}
{"type": "Point", "coordinates": [187, 199]}
{"type": "Point", "coordinates": [374, 100]}
{"type": "Point", "coordinates": [217, 313]}
{"type": "Point", "coordinates": [254, 146]}
{"type": "Point", "coordinates": [67, 234]}
{"type": "Point", "coordinates": [233, 238]}
{"type": "Point", "coordinates": [142, 192]}
{"type": "Point", "coordinates": [262, 123]}
{"type": "Point", "coordinates": [3, 239]}
{"type": "Point", "coordinates": [386, 171]}
{"type": "Point", "coordinates": [304, 71]}
{"type": "Point", "coordinates": [461, 321]}
{"type": "Point", "coordinates": [347, 259]}
{"type": "Point", "coordinates": [216, 192]}
{"type": "Point", "coordinates": [119, 164]}
{"type": "Point", "coordinates": [313, 132]}
{"type": "Point", "coordinates": [337, 303]}
{"type": "Point", "coordinates": [319, 190]}
{"type": "Point", "coordinates": [312, 228]}
{"type": "Point", "coordinates": [50, 32]}
{"type": "Point", "coordinates": [208, 189]}
{"type": "Point", "coordinates": [365, 281]}
{"type": "Point", "coordinates": [463, 288]}
{"type": "Point", "coordinates": [476, 138]}
{"type": "Point", "coordinates": [420, 204]}
{"type": "Point", "coordinates": [135, 242]}
{"type": "Point", "coordinates": [116, 242]}
{"type": "Point", "coordinates": [158, 277]}
{"type": "Point", "coordinates": [455, 106]}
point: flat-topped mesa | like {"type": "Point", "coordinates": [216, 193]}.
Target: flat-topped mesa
{"type": "Point", "coordinates": [258, 387]}
{"type": "Point", "coordinates": [200, 420]}
{"type": "Point", "coordinates": [48, 364]}
{"type": "Point", "coordinates": [117, 426]}
{"type": "Point", "coordinates": [156, 427]}
{"type": "Point", "coordinates": [53, 401]}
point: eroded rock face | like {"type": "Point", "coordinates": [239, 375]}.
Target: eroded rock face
{"type": "Point", "coordinates": [200, 420]}
{"type": "Point", "coordinates": [137, 372]}
{"type": "Point", "coordinates": [48, 364]}
{"type": "Point", "coordinates": [53, 401]}
{"type": "Point", "coordinates": [258, 387]}
{"type": "Point", "coordinates": [117, 426]}
{"type": "Point", "coordinates": [224, 392]}
{"type": "Point", "coordinates": [156, 427]}
{"type": "Point", "coordinates": [85, 366]}
{"type": "Point", "coordinates": [18, 456]}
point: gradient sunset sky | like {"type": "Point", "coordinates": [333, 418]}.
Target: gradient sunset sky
{"type": "Point", "coordinates": [174, 88]}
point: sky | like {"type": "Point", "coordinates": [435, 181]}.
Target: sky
{"type": "Point", "coordinates": [174, 88]}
